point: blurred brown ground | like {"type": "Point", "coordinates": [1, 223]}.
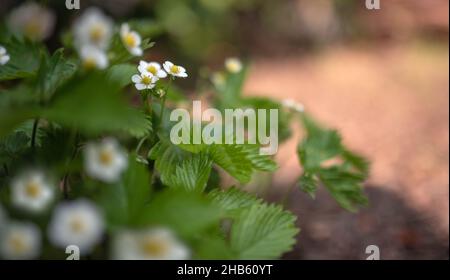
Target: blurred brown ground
{"type": "Point", "coordinates": [389, 98]}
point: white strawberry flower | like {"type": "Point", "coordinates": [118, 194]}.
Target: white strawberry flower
{"type": "Point", "coordinates": [293, 105]}
{"type": "Point", "coordinates": [93, 28]}
{"type": "Point", "coordinates": [175, 70]}
{"type": "Point", "coordinates": [233, 65]}
{"type": "Point", "coordinates": [153, 68]}
{"type": "Point", "coordinates": [105, 160]}
{"type": "Point", "coordinates": [131, 40]}
{"type": "Point", "coordinates": [32, 20]}
{"type": "Point", "coordinates": [149, 244]}
{"type": "Point", "coordinates": [20, 241]}
{"type": "Point", "coordinates": [4, 56]}
{"type": "Point", "coordinates": [32, 191]}
{"type": "Point", "coordinates": [144, 81]}
{"type": "Point", "coordinates": [76, 223]}
{"type": "Point", "coordinates": [93, 58]}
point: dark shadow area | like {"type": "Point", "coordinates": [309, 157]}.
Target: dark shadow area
{"type": "Point", "coordinates": [329, 232]}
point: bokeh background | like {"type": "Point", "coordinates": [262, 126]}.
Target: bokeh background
{"type": "Point", "coordinates": [379, 76]}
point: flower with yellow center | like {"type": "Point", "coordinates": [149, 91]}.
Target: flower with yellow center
{"type": "Point", "coordinates": [94, 29]}
{"type": "Point", "coordinates": [153, 68]}
{"type": "Point", "coordinates": [32, 20]}
{"type": "Point", "coordinates": [4, 56]}
{"type": "Point", "coordinates": [31, 191]}
{"type": "Point", "coordinates": [175, 70]}
{"type": "Point", "coordinates": [93, 58]}
{"type": "Point", "coordinates": [20, 241]}
{"type": "Point", "coordinates": [144, 81]}
{"type": "Point", "coordinates": [131, 40]}
{"type": "Point", "coordinates": [76, 223]}
{"type": "Point", "coordinates": [105, 160]}
{"type": "Point", "coordinates": [149, 244]}
{"type": "Point", "coordinates": [233, 65]}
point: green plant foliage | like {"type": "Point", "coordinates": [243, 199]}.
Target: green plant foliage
{"type": "Point", "coordinates": [343, 177]}
{"type": "Point", "coordinates": [25, 59]}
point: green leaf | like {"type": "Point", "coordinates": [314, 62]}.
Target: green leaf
{"type": "Point", "coordinates": [179, 168]}
{"type": "Point", "coordinates": [233, 199]}
{"type": "Point", "coordinates": [11, 119]}
{"type": "Point", "coordinates": [232, 90]}
{"type": "Point", "coordinates": [122, 73]}
{"type": "Point", "coordinates": [53, 72]}
{"type": "Point", "coordinates": [263, 232]}
{"type": "Point", "coordinates": [24, 60]}
{"type": "Point", "coordinates": [94, 105]}
{"type": "Point", "coordinates": [325, 160]}
{"type": "Point", "coordinates": [124, 201]}
{"type": "Point", "coordinates": [187, 213]}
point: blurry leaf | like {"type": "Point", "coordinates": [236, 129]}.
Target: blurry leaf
{"type": "Point", "coordinates": [17, 97]}
{"type": "Point", "coordinates": [124, 201]}
{"type": "Point", "coordinates": [53, 72]}
{"type": "Point", "coordinates": [94, 105]}
{"type": "Point", "coordinates": [146, 27]}
{"type": "Point", "coordinates": [232, 90]}
{"type": "Point", "coordinates": [24, 60]}
{"type": "Point", "coordinates": [122, 73]}
{"type": "Point", "coordinates": [187, 213]}
{"type": "Point", "coordinates": [308, 184]}
{"type": "Point", "coordinates": [263, 232]}
{"type": "Point", "coordinates": [11, 119]}
{"type": "Point", "coordinates": [213, 248]}
{"type": "Point", "coordinates": [325, 160]}
{"type": "Point", "coordinates": [13, 146]}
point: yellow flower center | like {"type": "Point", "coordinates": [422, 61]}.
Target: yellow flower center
{"type": "Point", "coordinates": [32, 189]}
{"type": "Point", "coordinates": [152, 69]}
{"type": "Point", "coordinates": [32, 29]}
{"type": "Point", "coordinates": [18, 244]}
{"type": "Point", "coordinates": [155, 247]}
{"type": "Point", "coordinates": [106, 157]}
{"type": "Point", "coordinates": [89, 63]}
{"type": "Point", "coordinates": [146, 80]}
{"type": "Point", "coordinates": [130, 40]}
{"type": "Point", "coordinates": [175, 69]}
{"type": "Point", "coordinates": [96, 33]}
{"type": "Point", "coordinates": [77, 225]}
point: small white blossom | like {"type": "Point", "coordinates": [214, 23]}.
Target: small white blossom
{"type": "Point", "coordinates": [76, 223]}
{"type": "Point", "coordinates": [144, 81]}
{"type": "Point", "coordinates": [293, 105]}
{"type": "Point", "coordinates": [105, 160]}
{"type": "Point", "coordinates": [93, 58]}
{"type": "Point", "coordinates": [4, 56]}
{"type": "Point", "coordinates": [20, 241]}
{"type": "Point", "coordinates": [93, 28]}
{"type": "Point", "coordinates": [150, 244]}
{"type": "Point", "coordinates": [31, 191]}
{"type": "Point", "coordinates": [131, 40]}
{"type": "Point", "coordinates": [174, 70]}
{"type": "Point", "coordinates": [233, 65]}
{"type": "Point", "coordinates": [32, 20]}
{"type": "Point", "coordinates": [218, 79]}
{"type": "Point", "coordinates": [153, 68]}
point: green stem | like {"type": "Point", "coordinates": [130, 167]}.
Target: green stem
{"type": "Point", "coordinates": [33, 133]}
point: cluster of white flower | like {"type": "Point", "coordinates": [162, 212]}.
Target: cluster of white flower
{"type": "Point", "coordinates": [32, 192]}
{"type": "Point", "coordinates": [4, 56]}
{"type": "Point", "coordinates": [151, 72]}
{"type": "Point", "coordinates": [149, 244]}
{"type": "Point", "coordinates": [32, 20]}
{"type": "Point", "coordinates": [93, 32]}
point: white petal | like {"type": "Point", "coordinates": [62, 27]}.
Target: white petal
{"type": "Point", "coordinates": [4, 59]}
{"type": "Point", "coordinates": [182, 75]}
{"type": "Point", "coordinates": [136, 78]}
{"type": "Point", "coordinates": [156, 65]}
{"type": "Point", "coordinates": [140, 86]}
{"type": "Point", "coordinates": [2, 50]}
{"type": "Point", "coordinates": [136, 51]}
{"type": "Point", "coordinates": [150, 86]}
{"type": "Point", "coordinates": [124, 29]}
{"type": "Point", "coordinates": [167, 65]}
{"type": "Point", "coordinates": [181, 69]}
{"type": "Point", "coordinates": [161, 74]}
